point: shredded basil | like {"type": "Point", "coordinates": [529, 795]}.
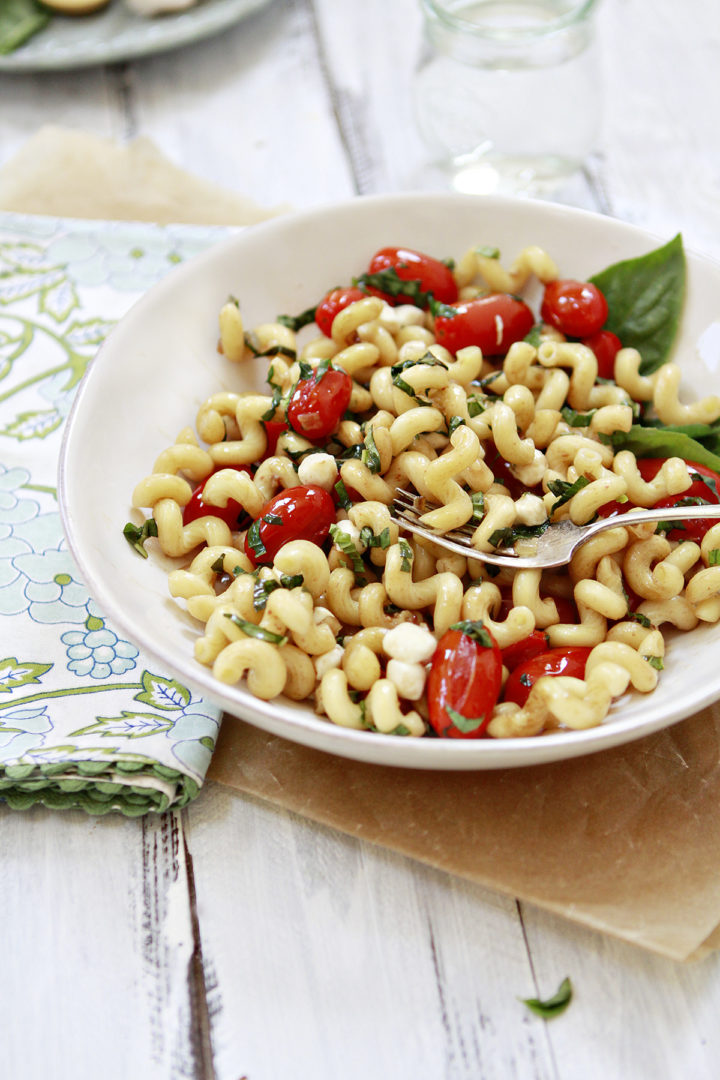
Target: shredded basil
{"type": "Point", "coordinates": [510, 535]}
{"type": "Point", "coordinates": [655, 662]}
{"type": "Point", "coordinates": [404, 386]}
{"type": "Point", "coordinates": [136, 535]}
{"type": "Point", "coordinates": [259, 632]}
{"type": "Point", "coordinates": [475, 407]}
{"type": "Point", "coordinates": [269, 414]}
{"type": "Point", "coordinates": [714, 557]}
{"type": "Point", "coordinates": [474, 629]}
{"type": "Point", "coordinates": [371, 540]}
{"type": "Point", "coordinates": [466, 724]}
{"type": "Point", "coordinates": [478, 501]}
{"type": "Point", "coordinates": [389, 281]}
{"type": "Point", "coordinates": [20, 20]}
{"type": "Point", "coordinates": [296, 322]}
{"type": "Point", "coordinates": [455, 423]}
{"type": "Point", "coordinates": [638, 617]}
{"type": "Point", "coordinates": [406, 556]}
{"type": "Point", "coordinates": [576, 419]}
{"type": "Point", "coordinates": [534, 336]}
{"type": "Point", "coordinates": [370, 455]}
{"type": "Point", "coordinates": [566, 490]}
{"type": "Point", "coordinates": [488, 252]}
{"type": "Point", "coordinates": [254, 540]}
{"type": "Point", "coordinates": [554, 1005]}
{"type": "Point", "coordinates": [343, 497]}
{"type": "Point", "coordinates": [345, 543]}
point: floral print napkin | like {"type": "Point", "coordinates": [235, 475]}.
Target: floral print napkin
{"type": "Point", "coordinates": [85, 721]}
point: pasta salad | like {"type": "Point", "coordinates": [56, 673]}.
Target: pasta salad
{"type": "Point", "coordinates": [443, 378]}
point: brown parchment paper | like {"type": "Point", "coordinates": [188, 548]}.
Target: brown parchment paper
{"type": "Point", "coordinates": [626, 841]}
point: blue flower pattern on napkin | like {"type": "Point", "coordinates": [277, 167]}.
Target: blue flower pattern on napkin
{"type": "Point", "coordinates": [73, 693]}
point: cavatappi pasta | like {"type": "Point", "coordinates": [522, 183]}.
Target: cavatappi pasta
{"type": "Point", "coordinates": [507, 438]}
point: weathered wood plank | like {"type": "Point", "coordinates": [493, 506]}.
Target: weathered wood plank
{"type": "Point", "coordinates": [329, 957]}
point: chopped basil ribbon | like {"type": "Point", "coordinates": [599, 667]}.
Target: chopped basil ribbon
{"type": "Point", "coordinates": [276, 399]}
{"type": "Point", "coordinates": [478, 501]}
{"type": "Point", "coordinates": [638, 617]}
{"type": "Point", "coordinates": [525, 679]}
{"type": "Point", "coordinates": [263, 588]}
{"type": "Point", "coordinates": [370, 455]}
{"type": "Point", "coordinates": [488, 252]}
{"type": "Point", "coordinates": [136, 535]}
{"type": "Point", "coordinates": [455, 423]}
{"type": "Point", "coordinates": [254, 540]}
{"type": "Point", "coordinates": [475, 407]}
{"type": "Point", "coordinates": [474, 629]}
{"type": "Point", "coordinates": [442, 311]}
{"type": "Point", "coordinates": [345, 543]}
{"type": "Point", "coordinates": [406, 556]}
{"type": "Point", "coordinates": [488, 379]}
{"type": "Point", "coordinates": [259, 632]}
{"type": "Point", "coordinates": [554, 1005]}
{"type": "Point", "coordinates": [566, 490]}
{"type": "Point", "coordinates": [510, 535]}
{"type": "Point", "coordinates": [390, 282]}
{"type": "Point", "coordinates": [273, 519]}
{"type": "Point", "coordinates": [691, 500]}
{"type": "Point", "coordinates": [645, 297]}
{"type": "Point", "coordinates": [296, 322]}
{"type": "Point", "coordinates": [306, 370]}
{"type": "Point", "coordinates": [655, 662]}
{"type": "Point", "coordinates": [343, 497]}
{"type": "Point", "coordinates": [576, 419]}
{"type": "Point", "coordinates": [714, 557]}
{"type": "Point", "coordinates": [404, 386]}
{"type": "Point", "coordinates": [371, 540]}
{"type": "Point", "coordinates": [466, 724]}
{"type": "Point", "coordinates": [534, 336]}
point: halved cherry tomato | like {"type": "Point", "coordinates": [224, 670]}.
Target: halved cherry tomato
{"type": "Point", "coordinates": [334, 302]}
{"type": "Point", "coordinates": [318, 404]}
{"type": "Point", "coordinates": [234, 515]}
{"type": "Point", "coordinates": [298, 513]}
{"type": "Point", "coordinates": [431, 275]}
{"type": "Point", "coordinates": [523, 651]}
{"type": "Point", "coordinates": [606, 346]}
{"type": "Point", "coordinates": [493, 322]}
{"type": "Point", "coordinates": [273, 430]}
{"type": "Point", "coordinates": [575, 308]}
{"type": "Point", "coordinates": [568, 661]}
{"type": "Point", "coordinates": [465, 678]}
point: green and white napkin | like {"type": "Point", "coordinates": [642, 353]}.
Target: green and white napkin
{"type": "Point", "coordinates": [85, 720]}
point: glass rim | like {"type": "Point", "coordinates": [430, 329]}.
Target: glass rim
{"type": "Point", "coordinates": [451, 21]}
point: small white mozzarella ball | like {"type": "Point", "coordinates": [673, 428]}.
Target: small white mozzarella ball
{"type": "Point", "coordinates": [326, 661]}
{"type": "Point", "coordinates": [410, 643]}
{"type": "Point", "coordinates": [319, 470]}
{"type": "Point", "coordinates": [353, 532]}
{"type": "Point", "coordinates": [409, 679]}
{"type": "Point", "coordinates": [531, 474]}
{"type": "Point", "coordinates": [530, 510]}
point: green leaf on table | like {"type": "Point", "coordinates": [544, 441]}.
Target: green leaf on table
{"type": "Point", "coordinates": [19, 20]}
{"type": "Point", "coordinates": [645, 298]}
{"type": "Point", "coordinates": [554, 1005]}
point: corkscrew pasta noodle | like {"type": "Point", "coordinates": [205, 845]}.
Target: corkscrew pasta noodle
{"type": "Point", "coordinates": [351, 627]}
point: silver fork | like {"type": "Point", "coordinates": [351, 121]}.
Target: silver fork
{"type": "Point", "coordinates": [554, 547]}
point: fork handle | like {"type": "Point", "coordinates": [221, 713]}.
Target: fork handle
{"type": "Point", "coordinates": [655, 513]}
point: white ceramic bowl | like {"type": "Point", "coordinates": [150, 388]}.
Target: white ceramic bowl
{"type": "Point", "coordinates": [161, 362]}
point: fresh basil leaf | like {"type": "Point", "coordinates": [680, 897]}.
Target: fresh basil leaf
{"type": "Point", "coordinates": [254, 540]}
{"type": "Point", "coordinates": [645, 298]}
{"type": "Point", "coordinates": [510, 535]}
{"type": "Point", "coordinates": [273, 519]}
{"type": "Point", "coordinates": [259, 632]}
{"type": "Point", "coordinates": [276, 399]}
{"type": "Point", "coordinates": [534, 336]}
{"type": "Point", "coordinates": [455, 423]}
{"type": "Point", "coordinates": [136, 535]}
{"type": "Point", "coordinates": [577, 419]}
{"type": "Point", "coordinates": [488, 252]}
{"type": "Point", "coordinates": [663, 443]}
{"type": "Point", "coordinates": [345, 543]}
{"type": "Point", "coordinates": [475, 407]}
{"type": "Point", "coordinates": [554, 1005]}
{"type": "Point", "coordinates": [19, 20]}
{"type": "Point", "coordinates": [714, 557]}
{"type": "Point", "coordinates": [655, 662]}
{"type": "Point", "coordinates": [466, 724]}
{"type": "Point", "coordinates": [406, 556]}
{"type": "Point", "coordinates": [261, 592]}
{"type": "Point", "coordinates": [343, 497]}
{"type": "Point", "coordinates": [389, 281]}
{"type": "Point", "coordinates": [638, 617]}
{"type": "Point", "coordinates": [478, 501]}
{"type": "Point", "coordinates": [404, 386]}
{"type": "Point", "coordinates": [370, 455]}
{"type": "Point", "coordinates": [371, 539]}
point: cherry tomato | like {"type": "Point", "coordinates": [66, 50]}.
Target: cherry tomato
{"type": "Point", "coordinates": [334, 302]}
{"type": "Point", "coordinates": [465, 677]}
{"type": "Point", "coordinates": [568, 661]}
{"type": "Point", "coordinates": [493, 322]}
{"type": "Point", "coordinates": [233, 514]}
{"type": "Point", "coordinates": [575, 308]}
{"type": "Point", "coordinates": [273, 430]}
{"type": "Point", "coordinates": [522, 651]}
{"type": "Point", "coordinates": [431, 275]}
{"type": "Point", "coordinates": [318, 404]}
{"type": "Point", "coordinates": [298, 513]}
{"type": "Point", "coordinates": [606, 346]}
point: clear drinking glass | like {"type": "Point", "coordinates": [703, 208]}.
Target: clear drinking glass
{"type": "Point", "coordinates": [508, 92]}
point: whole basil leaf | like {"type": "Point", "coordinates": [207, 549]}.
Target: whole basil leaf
{"type": "Point", "coordinates": [663, 443]}
{"type": "Point", "coordinates": [645, 298]}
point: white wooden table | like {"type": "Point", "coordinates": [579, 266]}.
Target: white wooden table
{"type": "Point", "coordinates": [236, 940]}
